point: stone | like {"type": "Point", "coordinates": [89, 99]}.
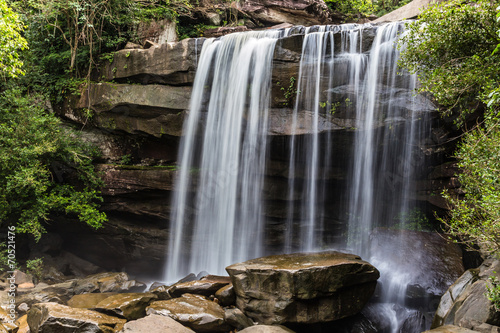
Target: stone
{"type": "Point", "coordinates": [22, 277]}
{"type": "Point", "coordinates": [129, 305]}
{"type": "Point", "coordinates": [303, 287]}
{"type": "Point", "coordinates": [193, 311]}
{"type": "Point", "coordinates": [107, 282]}
{"type": "Point", "coordinates": [301, 12]}
{"type": "Point", "coordinates": [465, 303]}
{"type": "Point", "coordinates": [155, 324]}
{"type": "Point", "coordinates": [52, 317]}
{"type": "Point", "coordinates": [237, 319]}
{"type": "Point", "coordinates": [207, 286]}
{"type": "Point", "coordinates": [26, 285]}
{"type": "Point", "coordinates": [149, 44]}
{"type": "Point", "coordinates": [267, 329]}
{"type": "Point", "coordinates": [132, 46]}
{"type": "Point", "coordinates": [152, 109]}
{"type": "Point", "coordinates": [88, 301]}
{"type": "Point", "coordinates": [409, 11]}
{"type": "Point", "coordinates": [170, 63]}
{"type": "Point", "coordinates": [226, 295]}
{"type": "Point", "coordinates": [450, 329]}
{"type": "Point", "coordinates": [162, 292]}
{"type": "Point", "coordinates": [452, 294]}
{"type": "Point", "coordinates": [439, 262]}
{"type": "Point", "coordinates": [22, 324]}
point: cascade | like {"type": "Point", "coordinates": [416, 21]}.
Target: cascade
{"type": "Point", "coordinates": [218, 211]}
{"type": "Point", "coordinates": [225, 160]}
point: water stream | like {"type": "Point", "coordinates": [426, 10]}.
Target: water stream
{"type": "Point", "coordinates": [218, 211]}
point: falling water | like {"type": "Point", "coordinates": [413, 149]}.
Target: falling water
{"type": "Point", "coordinates": [224, 161]}
{"type": "Point", "coordinates": [218, 208]}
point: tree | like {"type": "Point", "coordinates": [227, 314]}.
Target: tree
{"type": "Point", "coordinates": [454, 48]}
{"type": "Point", "coordinates": [11, 42]}
{"type": "Point", "coordinates": [44, 168]}
{"type": "Point", "coordinates": [451, 47]}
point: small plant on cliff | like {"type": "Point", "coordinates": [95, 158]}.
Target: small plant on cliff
{"type": "Point", "coordinates": [289, 92]}
{"type": "Point", "coordinates": [34, 267]}
{"type": "Point", "coordinates": [493, 292]}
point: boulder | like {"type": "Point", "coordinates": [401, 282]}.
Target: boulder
{"type": "Point", "coordinates": [155, 110]}
{"type": "Point", "coordinates": [22, 277]}
{"type": "Point", "coordinates": [409, 11]}
{"type": "Point", "coordinates": [425, 263]}
{"type": "Point", "coordinates": [267, 329]}
{"type": "Point", "coordinates": [129, 305]}
{"type": "Point", "coordinates": [226, 295]}
{"type": "Point", "coordinates": [88, 301]}
{"type": "Point", "coordinates": [52, 317]}
{"type": "Point", "coordinates": [207, 286]}
{"type": "Point", "coordinates": [297, 12]}
{"type": "Point", "coordinates": [193, 311]}
{"type": "Point", "coordinates": [22, 324]}
{"type": "Point", "coordinates": [170, 63]}
{"type": "Point", "coordinates": [465, 303]}
{"type": "Point", "coordinates": [155, 324]}
{"type": "Point", "coordinates": [237, 319]}
{"type": "Point", "coordinates": [107, 282]}
{"type": "Point", "coordinates": [450, 329]}
{"type": "Point", "coordinates": [303, 287]}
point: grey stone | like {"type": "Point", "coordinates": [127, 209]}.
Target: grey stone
{"type": "Point", "coordinates": [303, 287]}
{"type": "Point", "coordinates": [155, 324]}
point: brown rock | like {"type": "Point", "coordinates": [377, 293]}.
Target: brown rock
{"type": "Point", "coordinates": [88, 301]}
{"type": "Point", "coordinates": [450, 329]}
{"type": "Point", "coordinates": [154, 324]}
{"type": "Point", "coordinates": [303, 287]}
{"type": "Point", "coordinates": [130, 305]}
{"type": "Point", "coordinates": [267, 329]}
{"type": "Point", "coordinates": [22, 324]}
{"type": "Point", "coordinates": [52, 317]}
{"type": "Point", "coordinates": [207, 286]}
{"type": "Point", "coordinates": [226, 295]}
{"type": "Point", "coordinates": [193, 311]}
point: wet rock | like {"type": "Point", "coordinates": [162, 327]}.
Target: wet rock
{"type": "Point", "coordinates": [303, 287]}
{"type": "Point", "coordinates": [129, 305]}
{"type": "Point", "coordinates": [226, 295]}
{"type": "Point", "coordinates": [267, 329]}
{"type": "Point", "coordinates": [207, 286]}
{"type": "Point", "coordinates": [450, 329]}
{"type": "Point", "coordinates": [57, 293]}
{"type": "Point", "coordinates": [465, 303]}
{"type": "Point", "coordinates": [303, 12]}
{"type": "Point", "coordinates": [425, 263]}
{"type": "Point", "coordinates": [107, 282]}
{"type": "Point", "coordinates": [193, 311]}
{"type": "Point", "coordinates": [88, 301]}
{"type": "Point", "coordinates": [237, 319]}
{"type": "Point", "coordinates": [22, 324]}
{"type": "Point", "coordinates": [162, 292]}
{"type": "Point", "coordinates": [154, 324]}
{"type": "Point", "coordinates": [52, 317]}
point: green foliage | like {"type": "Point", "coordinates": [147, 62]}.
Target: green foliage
{"type": "Point", "coordinates": [11, 42]}
{"type": "Point", "coordinates": [493, 292]}
{"type": "Point", "coordinates": [34, 267]}
{"type": "Point", "coordinates": [7, 260]}
{"type": "Point", "coordinates": [414, 219]}
{"type": "Point", "coordinates": [451, 48]}
{"type": "Point", "coordinates": [37, 156]}
{"type": "Point", "coordinates": [358, 8]}
{"type": "Point", "coordinates": [289, 92]}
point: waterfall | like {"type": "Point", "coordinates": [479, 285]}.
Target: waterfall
{"type": "Point", "coordinates": [347, 80]}
{"type": "Point", "coordinates": [216, 210]}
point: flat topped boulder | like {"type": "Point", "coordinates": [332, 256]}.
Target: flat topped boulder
{"type": "Point", "coordinates": [303, 287]}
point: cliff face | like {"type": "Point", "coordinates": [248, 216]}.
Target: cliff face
{"type": "Point", "coordinates": [136, 118]}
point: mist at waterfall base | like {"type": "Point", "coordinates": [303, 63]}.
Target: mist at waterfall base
{"type": "Point", "coordinates": [348, 89]}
